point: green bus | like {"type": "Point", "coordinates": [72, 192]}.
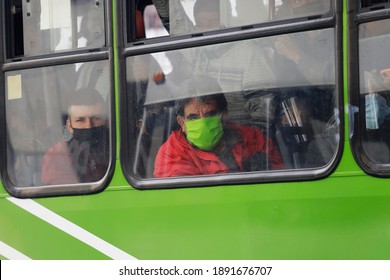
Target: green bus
{"type": "Point", "coordinates": [309, 79]}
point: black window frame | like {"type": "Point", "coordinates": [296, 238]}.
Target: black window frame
{"type": "Point", "coordinates": [9, 63]}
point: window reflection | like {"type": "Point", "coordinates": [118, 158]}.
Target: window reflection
{"type": "Point", "coordinates": [55, 26]}
{"type": "Point", "coordinates": [374, 66]}
{"type": "Point", "coordinates": [49, 112]}
{"type": "Point", "coordinates": [290, 99]}
{"type": "Point", "coordinates": [189, 16]}
{"type": "Point", "coordinates": [301, 8]}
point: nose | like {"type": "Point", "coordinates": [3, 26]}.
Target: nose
{"type": "Point", "coordinates": [88, 123]}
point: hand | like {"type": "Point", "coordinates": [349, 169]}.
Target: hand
{"type": "Point", "coordinates": [286, 47]}
{"type": "Point", "coordinates": [385, 73]}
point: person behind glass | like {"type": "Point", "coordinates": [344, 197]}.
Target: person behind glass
{"type": "Point", "coordinates": [302, 48]}
{"type": "Point", "coordinates": [207, 15]}
{"type": "Point", "coordinates": [207, 143]}
{"type": "Point", "coordinates": [295, 8]}
{"type": "Point", "coordinates": [242, 68]}
{"type": "Point", "coordinates": [83, 158]}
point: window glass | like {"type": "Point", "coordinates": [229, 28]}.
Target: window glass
{"type": "Point", "coordinates": [374, 69]}
{"type": "Point", "coordinates": [280, 113]}
{"type": "Point", "coordinates": [49, 26]}
{"type": "Point", "coordinates": [174, 17]}
{"type": "Point", "coordinates": [300, 8]}
{"type": "Point", "coordinates": [58, 124]}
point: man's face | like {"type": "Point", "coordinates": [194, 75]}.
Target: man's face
{"type": "Point", "coordinates": [86, 116]}
{"type": "Point", "coordinates": [196, 109]}
{"type": "Point", "coordinates": [207, 20]}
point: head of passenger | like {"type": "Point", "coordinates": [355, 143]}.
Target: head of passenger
{"type": "Point", "coordinates": [87, 117]}
{"type": "Point", "coordinates": [207, 15]}
{"type": "Point", "coordinates": [201, 118]}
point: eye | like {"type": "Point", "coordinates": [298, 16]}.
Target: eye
{"type": "Point", "coordinates": [79, 120]}
{"type": "Point", "coordinates": [211, 114]}
{"type": "Point", "coordinates": [97, 118]}
{"type": "Point", "coordinates": [192, 117]}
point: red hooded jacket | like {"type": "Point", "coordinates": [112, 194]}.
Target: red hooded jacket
{"type": "Point", "coordinates": [177, 157]}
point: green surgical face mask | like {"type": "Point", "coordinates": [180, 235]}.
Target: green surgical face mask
{"type": "Point", "coordinates": [204, 133]}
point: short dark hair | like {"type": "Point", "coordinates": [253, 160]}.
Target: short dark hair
{"type": "Point", "coordinates": [202, 88]}
{"type": "Point", "coordinates": [85, 96]}
{"type": "Point", "coordinates": [219, 100]}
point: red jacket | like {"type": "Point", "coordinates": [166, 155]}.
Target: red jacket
{"type": "Point", "coordinates": [60, 165]}
{"type": "Point", "coordinates": [176, 157]}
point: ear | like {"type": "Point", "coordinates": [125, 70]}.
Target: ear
{"type": "Point", "coordinates": [69, 126]}
{"type": "Point", "coordinates": [181, 123]}
{"type": "Point", "coordinates": [225, 114]}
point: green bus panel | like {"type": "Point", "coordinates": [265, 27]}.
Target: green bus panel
{"type": "Point", "coordinates": [37, 239]}
{"type": "Point", "coordinates": [342, 217]}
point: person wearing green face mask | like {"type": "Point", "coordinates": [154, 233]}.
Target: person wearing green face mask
{"type": "Point", "coordinates": [207, 143]}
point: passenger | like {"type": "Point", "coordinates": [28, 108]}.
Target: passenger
{"type": "Point", "coordinates": [85, 157]}
{"type": "Point", "coordinates": [374, 68]}
{"type": "Point", "coordinates": [241, 68]}
{"type": "Point", "coordinates": [305, 141]}
{"type": "Point", "coordinates": [207, 143]}
{"type": "Point", "coordinates": [251, 12]}
{"type": "Point", "coordinates": [207, 15]}
{"type": "Point", "coordinates": [301, 62]}
{"type": "Point", "coordinates": [172, 15]}
{"type": "Point", "coordinates": [295, 8]}
{"type": "Point", "coordinates": [303, 49]}
{"type": "Point", "coordinates": [375, 72]}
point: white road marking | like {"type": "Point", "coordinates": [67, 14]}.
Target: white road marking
{"type": "Point", "coordinates": [11, 253]}
{"type": "Point", "coordinates": [71, 228]}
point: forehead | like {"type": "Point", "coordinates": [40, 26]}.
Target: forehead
{"type": "Point", "coordinates": [86, 110]}
{"type": "Point", "coordinates": [195, 105]}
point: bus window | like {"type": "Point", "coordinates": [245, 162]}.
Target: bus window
{"type": "Point", "coordinates": [44, 27]}
{"type": "Point", "coordinates": [57, 128]}
{"type": "Point", "coordinates": [374, 76]}
{"type": "Point", "coordinates": [292, 104]}
{"type": "Point", "coordinates": [194, 16]}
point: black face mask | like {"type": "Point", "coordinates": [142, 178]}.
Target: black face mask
{"type": "Point", "coordinates": [95, 136]}
{"type": "Point", "coordinates": [89, 148]}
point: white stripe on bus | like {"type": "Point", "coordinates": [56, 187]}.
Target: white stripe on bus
{"type": "Point", "coordinates": [71, 228]}
{"type": "Point", "coordinates": [11, 253]}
